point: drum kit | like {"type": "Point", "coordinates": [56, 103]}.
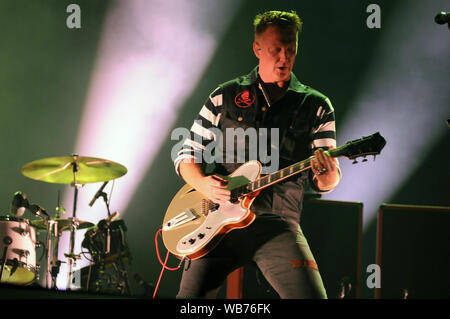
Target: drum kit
{"type": "Point", "coordinates": [106, 241]}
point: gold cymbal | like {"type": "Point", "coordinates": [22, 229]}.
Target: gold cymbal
{"type": "Point", "coordinates": [59, 170]}
{"type": "Point", "coordinates": [63, 224]}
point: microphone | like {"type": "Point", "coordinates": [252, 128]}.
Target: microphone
{"type": "Point", "coordinates": [38, 210]}
{"type": "Point", "coordinates": [98, 194]}
{"type": "Point", "coordinates": [19, 204]}
{"type": "Point", "coordinates": [442, 17]}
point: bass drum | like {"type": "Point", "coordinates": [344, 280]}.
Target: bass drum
{"type": "Point", "coordinates": [18, 239]}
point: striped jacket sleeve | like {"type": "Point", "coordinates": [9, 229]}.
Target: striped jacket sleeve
{"type": "Point", "coordinates": [324, 133]}
{"type": "Point", "coordinates": [201, 133]}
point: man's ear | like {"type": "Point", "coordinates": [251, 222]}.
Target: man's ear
{"type": "Point", "coordinates": [256, 49]}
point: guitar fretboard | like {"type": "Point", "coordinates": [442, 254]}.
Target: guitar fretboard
{"type": "Point", "coordinates": [270, 179]}
{"type": "Point", "coordinates": [278, 176]}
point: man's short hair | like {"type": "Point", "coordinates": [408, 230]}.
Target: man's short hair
{"type": "Point", "coordinates": [280, 19]}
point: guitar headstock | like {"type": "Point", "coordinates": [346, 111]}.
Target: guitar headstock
{"type": "Point", "coordinates": [369, 145]}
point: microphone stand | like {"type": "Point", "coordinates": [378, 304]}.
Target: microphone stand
{"type": "Point", "coordinates": [108, 230]}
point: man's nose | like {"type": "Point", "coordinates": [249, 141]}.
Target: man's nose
{"type": "Point", "coordinates": [284, 55]}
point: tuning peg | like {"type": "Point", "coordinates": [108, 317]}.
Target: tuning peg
{"type": "Point", "coordinates": [364, 160]}
{"type": "Point", "coordinates": [355, 162]}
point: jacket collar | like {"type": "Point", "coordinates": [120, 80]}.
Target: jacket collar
{"type": "Point", "coordinates": [294, 83]}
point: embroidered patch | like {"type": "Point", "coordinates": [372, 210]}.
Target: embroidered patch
{"type": "Point", "coordinates": [244, 99]}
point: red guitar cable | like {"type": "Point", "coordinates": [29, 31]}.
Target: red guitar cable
{"type": "Point", "coordinates": [163, 264]}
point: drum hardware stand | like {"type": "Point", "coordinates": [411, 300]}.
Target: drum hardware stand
{"type": "Point", "coordinates": [345, 288]}
{"type": "Point", "coordinates": [53, 265]}
{"type": "Point", "coordinates": [14, 267]}
{"type": "Point", "coordinates": [73, 227]}
{"type": "Point", "coordinates": [56, 264]}
{"type": "Point", "coordinates": [71, 256]}
{"type": "Point", "coordinates": [108, 222]}
{"type": "Point", "coordinates": [123, 286]}
{"type": "Point", "coordinates": [51, 223]}
{"type": "Point", "coordinates": [55, 272]}
{"type": "Point", "coordinates": [7, 241]}
{"type": "Point", "coordinates": [104, 226]}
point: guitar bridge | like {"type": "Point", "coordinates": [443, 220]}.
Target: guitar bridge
{"type": "Point", "coordinates": [186, 216]}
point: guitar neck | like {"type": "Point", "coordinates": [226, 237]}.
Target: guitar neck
{"type": "Point", "coordinates": [278, 176]}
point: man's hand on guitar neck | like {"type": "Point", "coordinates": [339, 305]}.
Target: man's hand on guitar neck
{"type": "Point", "coordinates": [325, 169]}
{"type": "Point", "coordinates": [212, 187]}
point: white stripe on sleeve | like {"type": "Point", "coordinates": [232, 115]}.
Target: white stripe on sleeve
{"type": "Point", "coordinates": [205, 133]}
{"type": "Point", "coordinates": [207, 114]}
{"type": "Point", "coordinates": [217, 100]}
{"type": "Point", "coordinates": [328, 126]}
{"type": "Point", "coordinates": [322, 142]}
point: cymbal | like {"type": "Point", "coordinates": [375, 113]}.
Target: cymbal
{"type": "Point", "coordinates": [59, 170]}
{"type": "Point", "coordinates": [63, 224]}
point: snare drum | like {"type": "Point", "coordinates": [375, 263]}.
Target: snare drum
{"type": "Point", "coordinates": [20, 266]}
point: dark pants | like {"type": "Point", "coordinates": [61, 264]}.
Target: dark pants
{"type": "Point", "coordinates": [283, 257]}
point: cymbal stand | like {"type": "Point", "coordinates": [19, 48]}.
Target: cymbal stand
{"type": "Point", "coordinates": [57, 234]}
{"type": "Point", "coordinates": [55, 262]}
{"type": "Point", "coordinates": [74, 225]}
{"type": "Point", "coordinates": [49, 251]}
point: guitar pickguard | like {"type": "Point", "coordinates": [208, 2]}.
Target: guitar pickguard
{"type": "Point", "coordinates": [228, 213]}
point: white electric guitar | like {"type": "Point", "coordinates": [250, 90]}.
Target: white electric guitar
{"type": "Point", "coordinates": [194, 225]}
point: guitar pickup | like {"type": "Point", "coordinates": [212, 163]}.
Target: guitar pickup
{"type": "Point", "coordinates": [182, 218]}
